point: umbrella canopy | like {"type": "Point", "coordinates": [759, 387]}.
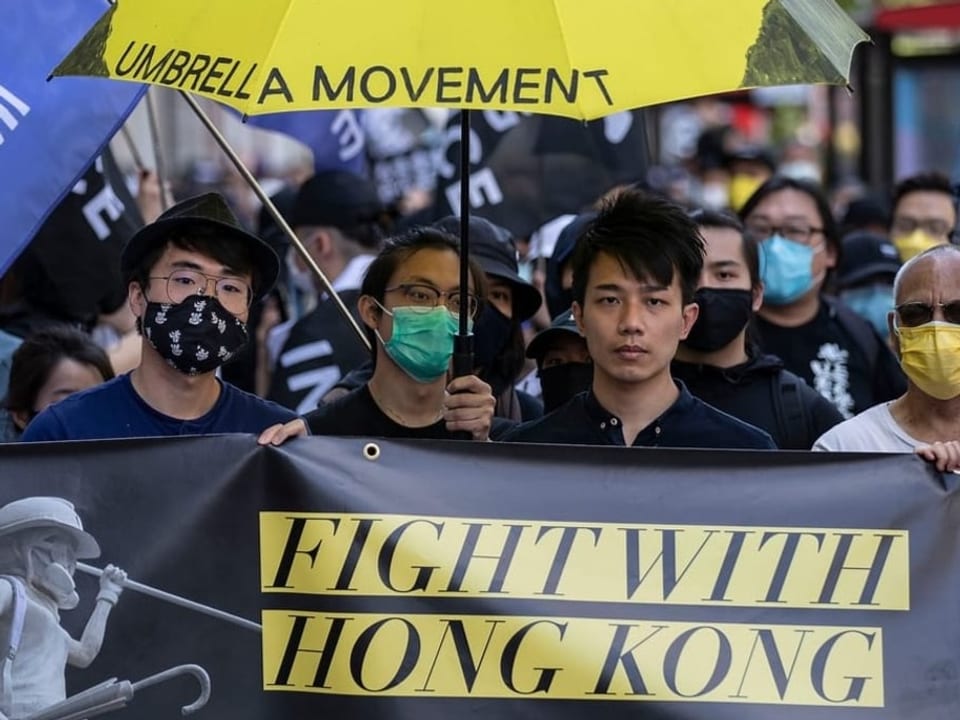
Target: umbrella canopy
{"type": "Point", "coordinates": [557, 57]}
{"type": "Point", "coordinates": [570, 58]}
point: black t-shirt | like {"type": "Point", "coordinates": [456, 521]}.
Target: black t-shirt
{"type": "Point", "coordinates": [688, 423]}
{"type": "Point", "coordinates": [829, 354]}
{"type": "Point", "coordinates": [357, 414]}
{"type": "Point", "coordinates": [321, 348]}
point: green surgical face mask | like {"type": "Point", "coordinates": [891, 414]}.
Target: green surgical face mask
{"type": "Point", "coordinates": [422, 341]}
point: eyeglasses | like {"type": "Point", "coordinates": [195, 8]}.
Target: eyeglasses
{"type": "Point", "coordinates": [234, 294]}
{"type": "Point", "coordinates": [912, 314]}
{"type": "Point", "coordinates": [427, 296]}
{"type": "Point", "coordinates": [796, 231]}
{"type": "Point", "coordinates": [931, 226]}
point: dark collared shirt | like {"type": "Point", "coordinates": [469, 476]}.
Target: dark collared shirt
{"type": "Point", "coordinates": [688, 423]}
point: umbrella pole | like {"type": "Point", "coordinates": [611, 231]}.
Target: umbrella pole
{"type": "Point", "coordinates": [275, 214]}
{"type": "Point", "coordinates": [176, 599]}
{"type": "Point", "coordinates": [463, 341]}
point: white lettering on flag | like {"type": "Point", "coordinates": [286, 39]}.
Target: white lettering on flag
{"type": "Point", "coordinates": [349, 134]}
{"type": "Point", "coordinates": [7, 101]}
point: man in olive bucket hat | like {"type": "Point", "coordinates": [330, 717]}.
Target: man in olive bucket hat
{"type": "Point", "coordinates": [41, 538]}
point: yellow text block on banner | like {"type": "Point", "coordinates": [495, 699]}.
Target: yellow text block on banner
{"type": "Point", "coordinates": [571, 658]}
{"type": "Point", "coordinates": [382, 555]}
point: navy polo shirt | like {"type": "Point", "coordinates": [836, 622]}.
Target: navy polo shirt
{"type": "Point", "coordinates": [688, 423]}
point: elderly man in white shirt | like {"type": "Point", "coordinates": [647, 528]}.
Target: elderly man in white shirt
{"type": "Point", "coordinates": [925, 329]}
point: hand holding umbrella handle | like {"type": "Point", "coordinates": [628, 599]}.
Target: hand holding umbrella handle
{"type": "Point", "coordinates": [463, 355]}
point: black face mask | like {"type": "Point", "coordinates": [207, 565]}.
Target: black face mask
{"type": "Point", "coordinates": [559, 383]}
{"type": "Point", "coordinates": [196, 336]}
{"type": "Point", "coordinates": [723, 314]}
{"type": "Point", "coordinates": [492, 331]}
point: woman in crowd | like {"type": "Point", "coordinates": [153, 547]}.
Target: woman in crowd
{"type": "Point", "coordinates": [48, 366]}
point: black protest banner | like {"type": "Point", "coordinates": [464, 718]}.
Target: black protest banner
{"type": "Point", "coordinates": [528, 169]}
{"type": "Point", "coordinates": [345, 577]}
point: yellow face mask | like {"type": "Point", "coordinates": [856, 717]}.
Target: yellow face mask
{"type": "Point", "coordinates": [915, 243]}
{"type": "Point", "coordinates": [741, 188]}
{"type": "Point", "coordinates": [930, 356]}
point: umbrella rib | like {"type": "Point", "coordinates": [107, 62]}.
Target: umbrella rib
{"type": "Point", "coordinates": [276, 34]}
{"type": "Point", "coordinates": [563, 34]}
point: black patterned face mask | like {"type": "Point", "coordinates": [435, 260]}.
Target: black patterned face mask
{"type": "Point", "coordinates": [196, 336]}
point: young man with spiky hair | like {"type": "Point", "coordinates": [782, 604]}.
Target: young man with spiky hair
{"type": "Point", "coordinates": [635, 271]}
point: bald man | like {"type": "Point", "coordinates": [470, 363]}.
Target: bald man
{"type": "Point", "coordinates": [925, 330]}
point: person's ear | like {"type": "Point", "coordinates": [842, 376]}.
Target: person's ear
{"type": "Point", "coordinates": [894, 337]}
{"type": "Point", "coordinates": [757, 297]}
{"type": "Point", "coordinates": [370, 311]}
{"type": "Point", "coordinates": [691, 311]}
{"type": "Point", "coordinates": [577, 310]}
{"type": "Point", "coordinates": [321, 244]}
{"type": "Point", "coordinates": [21, 419]}
{"type": "Point", "coordinates": [137, 300]}
{"type": "Point", "coordinates": [830, 253]}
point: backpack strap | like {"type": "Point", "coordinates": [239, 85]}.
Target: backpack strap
{"type": "Point", "coordinates": [19, 600]}
{"type": "Point", "coordinates": [859, 329]}
{"type": "Point", "coordinates": [791, 413]}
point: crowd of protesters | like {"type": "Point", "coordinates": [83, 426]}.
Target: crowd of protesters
{"type": "Point", "coordinates": [758, 320]}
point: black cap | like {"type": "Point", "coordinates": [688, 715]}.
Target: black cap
{"type": "Point", "coordinates": [865, 211]}
{"type": "Point", "coordinates": [203, 211]}
{"type": "Point", "coordinates": [562, 324]}
{"type": "Point", "coordinates": [865, 255]}
{"type": "Point", "coordinates": [493, 248]}
{"type": "Point", "coordinates": [750, 153]}
{"type": "Point", "coordinates": [339, 199]}
{"type": "Point", "coordinates": [567, 239]}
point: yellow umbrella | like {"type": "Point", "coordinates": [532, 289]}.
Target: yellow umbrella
{"type": "Point", "coordinates": [577, 58]}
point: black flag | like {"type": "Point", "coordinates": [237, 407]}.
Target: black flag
{"type": "Point", "coordinates": [528, 169]}
{"type": "Point", "coordinates": [71, 268]}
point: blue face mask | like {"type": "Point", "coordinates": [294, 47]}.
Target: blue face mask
{"type": "Point", "coordinates": [422, 341]}
{"type": "Point", "coordinates": [871, 302]}
{"type": "Point", "coordinates": [786, 270]}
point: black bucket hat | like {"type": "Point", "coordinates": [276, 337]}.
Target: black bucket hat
{"type": "Point", "coordinates": [209, 211]}
{"type": "Point", "coordinates": [493, 248]}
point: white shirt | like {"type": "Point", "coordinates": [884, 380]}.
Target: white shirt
{"type": "Point", "coordinates": [350, 279]}
{"type": "Point", "coordinates": [873, 430]}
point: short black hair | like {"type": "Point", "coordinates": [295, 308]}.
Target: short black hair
{"type": "Point", "coordinates": [809, 188]}
{"type": "Point", "coordinates": [400, 247]}
{"type": "Point", "coordinates": [208, 241]}
{"type": "Point", "coordinates": [924, 182]}
{"type": "Point", "coordinates": [751, 249]}
{"type": "Point", "coordinates": [649, 235]}
{"type": "Point", "coordinates": [37, 356]}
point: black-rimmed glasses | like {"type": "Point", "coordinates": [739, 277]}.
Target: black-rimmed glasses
{"type": "Point", "coordinates": [796, 231]}
{"type": "Point", "coordinates": [427, 296]}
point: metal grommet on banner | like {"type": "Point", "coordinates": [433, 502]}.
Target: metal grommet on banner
{"type": "Point", "coordinates": [371, 452]}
